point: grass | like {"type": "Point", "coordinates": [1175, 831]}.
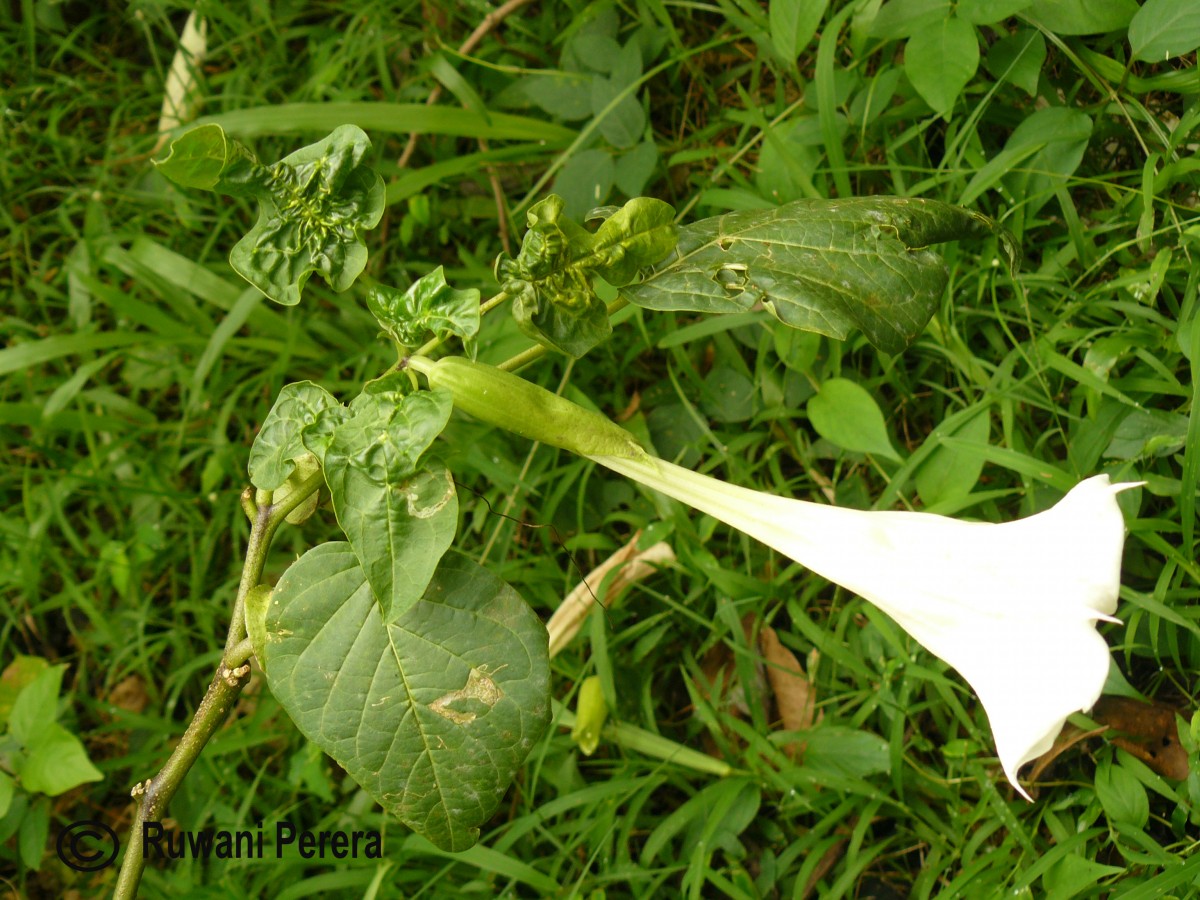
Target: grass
{"type": "Point", "coordinates": [137, 368]}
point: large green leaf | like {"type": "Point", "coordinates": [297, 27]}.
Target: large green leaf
{"type": "Point", "coordinates": [432, 714]}
{"type": "Point", "coordinates": [820, 265]}
{"type": "Point", "coordinates": [399, 512]}
{"type": "Point", "coordinates": [949, 473]}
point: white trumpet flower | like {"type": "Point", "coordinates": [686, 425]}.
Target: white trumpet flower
{"type": "Point", "coordinates": [1011, 606]}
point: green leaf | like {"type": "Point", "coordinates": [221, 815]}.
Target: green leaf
{"type": "Point", "coordinates": [551, 278]}
{"type": "Point", "coordinates": [399, 514]}
{"type": "Point", "coordinates": [56, 762]}
{"type": "Point", "coordinates": [940, 60]}
{"type": "Point", "coordinates": [635, 167]}
{"type": "Point", "coordinates": [7, 790]}
{"type": "Point", "coordinates": [1163, 29]}
{"type": "Point", "coordinates": [35, 828]}
{"type": "Point", "coordinates": [16, 676]}
{"type": "Point", "coordinates": [949, 473]}
{"type": "Point", "coordinates": [845, 414]}
{"type": "Point", "coordinates": [636, 236]}
{"type": "Point", "coordinates": [989, 12]}
{"type": "Point", "coordinates": [845, 752]}
{"type": "Point", "coordinates": [1061, 136]}
{"type": "Point", "coordinates": [388, 118]}
{"type": "Point", "coordinates": [585, 181]}
{"type": "Point", "coordinates": [279, 443]}
{"type": "Point", "coordinates": [312, 210]}
{"type": "Point", "coordinates": [1122, 795]}
{"type": "Point", "coordinates": [36, 707]}
{"type": "Point", "coordinates": [199, 158]}
{"type": "Point", "coordinates": [820, 265]}
{"type": "Point", "coordinates": [1071, 17]}
{"type": "Point", "coordinates": [432, 714]}
{"type": "Point", "coordinates": [625, 123]}
{"type": "Point", "coordinates": [573, 324]}
{"type": "Point", "coordinates": [793, 24]}
{"type": "Point", "coordinates": [563, 95]}
{"type": "Point", "coordinates": [1148, 432]}
{"type": "Point", "coordinates": [1071, 875]}
{"type": "Point", "coordinates": [596, 51]}
{"type": "Point", "coordinates": [904, 18]}
{"type": "Point", "coordinates": [1018, 59]}
{"type": "Point", "coordinates": [429, 305]}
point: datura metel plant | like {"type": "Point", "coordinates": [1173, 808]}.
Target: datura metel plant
{"type": "Point", "coordinates": [424, 675]}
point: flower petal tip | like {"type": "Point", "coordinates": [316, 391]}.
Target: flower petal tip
{"type": "Point", "coordinates": [1128, 485]}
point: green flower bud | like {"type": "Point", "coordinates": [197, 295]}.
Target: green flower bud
{"type": "Point", "coordinates": [590, 713]}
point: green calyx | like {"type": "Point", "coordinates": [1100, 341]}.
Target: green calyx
{"type": "Point", "coordinates": [514, 404]}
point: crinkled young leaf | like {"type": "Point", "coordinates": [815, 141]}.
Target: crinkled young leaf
{"type": "Point", "coordinates": [316, 204]}
{"type": "Point", "coordinates": [317, 435]}
{"type": "Point", "coordinates": [571, 322]}
{"type": "Point", "coordinates": [430, 305]}
{"type": "Point", "coordinates": [551, 278]}
{"type": "Point", "coordinates": [399, 513]}
{"type": "Point", "coordinates": [432, 714]}
{"type": "Point", "coordinates": [279, 443]}
{"type": "Point", "coordinates": [820, 265]}
{"type": "Point", "coordinates": [394, 382]}
{"type": "Point", "coordinates": [635, 237]}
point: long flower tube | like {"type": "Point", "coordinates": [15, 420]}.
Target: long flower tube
{"type": "Point", "coordinates": [1011, 606]}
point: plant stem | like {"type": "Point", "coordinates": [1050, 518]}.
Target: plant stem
{"type": "Point", "coordinates": [524, 358]}
{"type": "Point", "coordinates": [231, 676]}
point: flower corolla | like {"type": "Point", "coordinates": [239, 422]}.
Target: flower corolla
{"type": "Point", "coordinates": [1011, 606]}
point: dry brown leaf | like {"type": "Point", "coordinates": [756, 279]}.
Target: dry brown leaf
{"type": "Point", "coordinates": [181, 93]}
{"type": "Point", "coordinates": [780, 672]}
{"type": "Point", "coordinates": [721, 686]}
{"type": "Point", "coordinates": [633, 566]}
{"type": "Point", "coordinates": [1147, 731]}
{"type": "Point", "coordinates": [1067, 738]}
{"type": "Point", "coordinates": [129, 694]}
{"type": "Point", "coordinates": [795, 697]}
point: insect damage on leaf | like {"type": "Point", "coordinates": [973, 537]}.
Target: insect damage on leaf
{"type": "Point", "coordinates": [828, 266]}
{"type": "Point", "coordinates": [479, 688]}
